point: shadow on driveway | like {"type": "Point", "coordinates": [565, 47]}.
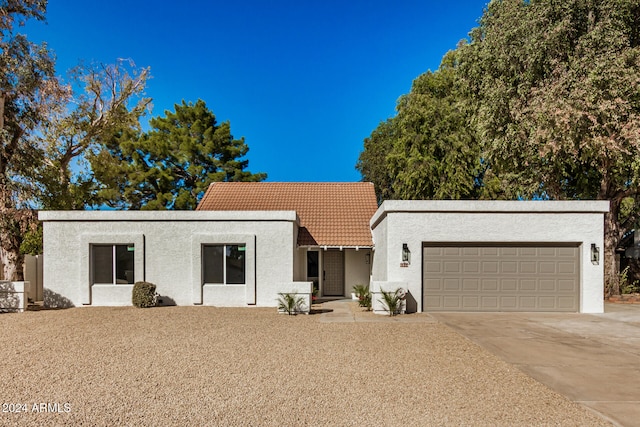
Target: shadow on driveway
{"type": "Point", "coordinates": [592, 359]}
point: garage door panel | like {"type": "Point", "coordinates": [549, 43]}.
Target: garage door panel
{"type": "Point", "coordinates": [452, 267]}
{"type": "Point", "coordinates": [432, 267]}
{"type": "Point", "coordinates": [527, 285]}
{"type": "Point", "coordinates": [509, 302]}
{"type": "Point", "coordinates": [566, 303]}
{"type": "Point", "coordinates": [473, 251]}
{"type": "Point", "coordinates": [490, 267]}
{"type": "Point", "coordinates": [471, 284]}
{"type": "Point", "coordinates": [505, 252]}
{"type": "Point", "coordinates": [547, 285]}
{"type": "Point", "coordinates": [567, 285]}
{"type": "Point", "coordinates": [547, 267]}
{"type": "Point", "coordinates": [528, 267]}
{"type": "Point", "coordinates": [452, 302]}
{"type": "Point", "coordinates": [548, 252]}
{"type": "Point", "coordinates": [566, 268]}
{"type": "Point", "coordinates": [489, 284]}
{"type": "Point", "coordinates": [509, 285]}
{"type": "Point", "coordinates": [565, 252]}
{"type": "Point", "coordinates": [451, 285]}
{"type": "Point", "coordinates": [501, 278]}
{"type": "Point", "coordinates": [471, 267]}
{"type": "Point", "coordinates": [471, 302]}
{"type": "Point", "coordinates": [431, 251]}
{"type": "Point", "coordinates": [508, 267]}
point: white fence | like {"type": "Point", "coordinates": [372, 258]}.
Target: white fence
{"type": "Point", "coordinates": [15, 295]}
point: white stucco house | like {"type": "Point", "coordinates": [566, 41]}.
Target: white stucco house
{"type": "Point", "coordinates": [245, 243]}
{"type": "Point", "coordinates": [248, 242]}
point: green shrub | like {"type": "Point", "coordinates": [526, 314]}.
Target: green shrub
{"type": "Point", "coordinates": [392, 301]}
{"type": "Point", "coordinates": [290, 304]}
{"type": "Point", "coordinates": [363, 295]}
{"type": "Point", "coordinates": [627, 287]}
{"type": "Point", "coordinates": [144, 294]}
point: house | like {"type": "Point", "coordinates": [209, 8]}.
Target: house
{"type": "Point", "coordinates": [248, 242]}
{"type": "Point", "coordinates": [244, 244]}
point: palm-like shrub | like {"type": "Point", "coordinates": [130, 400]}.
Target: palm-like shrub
{"type": "Point", "coordinates": [290, 304]}
{"type": "Point", "coordinates": [392, 301]}
{"type": "Point", "coordinates": [363, 295]}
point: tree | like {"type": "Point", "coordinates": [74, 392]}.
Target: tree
{"type": "Point", "coordinates": [172, 165]}
{"type": "Point", "coordinates": [372, 162]}
{"type": "Point", "coordinates": [28, 89]}
{"type": "Point", "coordinates": [112, 100]}
{"type": "Point", "coordinates": [555, 86]}
{"type": "Point", "coordinates": [429, 149]}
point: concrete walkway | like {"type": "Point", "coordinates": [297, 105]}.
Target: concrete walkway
{"type": "Point", "coordinates": [592, 359]}
{"type": "Point", "coordinates": [346, 310]}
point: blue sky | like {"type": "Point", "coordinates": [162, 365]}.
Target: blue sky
{"type": "Point", "coordinates": [303, 81]}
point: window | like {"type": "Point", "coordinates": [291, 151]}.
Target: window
{"type": "Point", "coordinates": [223, 264]}
{"type": "Point", "coordinates": [112, 264]}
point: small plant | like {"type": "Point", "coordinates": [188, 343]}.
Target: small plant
{"type": "Point", "coordinates": [363, 295]}
{"type": "Point", "coordinates": [290, 304]}
{"type": "Point", "coordinates": [144, 295]}
{"type": "Point", "coordinates": [392, 301]}
{"type": "Point", "coordinates": [625, 286]}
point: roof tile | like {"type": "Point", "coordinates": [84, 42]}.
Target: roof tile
{"type": "Point", "coordinates": [331, 214]}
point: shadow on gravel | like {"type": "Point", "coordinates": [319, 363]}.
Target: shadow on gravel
{"type": "Point", "coordinates": [320, 310]}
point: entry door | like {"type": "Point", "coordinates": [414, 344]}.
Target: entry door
{"type": "Point", "coordinates": [333, 284]}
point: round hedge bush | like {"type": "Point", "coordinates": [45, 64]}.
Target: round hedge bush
{"type": "Point", "coordinates": [144, 295]}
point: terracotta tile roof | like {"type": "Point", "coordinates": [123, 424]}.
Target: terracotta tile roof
{"type": "Point", "coordinates": [331, 214]}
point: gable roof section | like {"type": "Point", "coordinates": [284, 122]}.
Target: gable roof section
{"type": "Point", "coordinates": [331, 214]}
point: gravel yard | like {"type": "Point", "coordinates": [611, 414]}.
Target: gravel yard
{"type": "Point", "coordinates": [251, 366]}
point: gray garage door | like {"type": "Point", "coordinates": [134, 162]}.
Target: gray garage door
{"type": "Point", "coordinates": [501, 278]}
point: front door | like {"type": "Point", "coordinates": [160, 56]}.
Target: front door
{"type": "Point", "coordinates": [333, 283]}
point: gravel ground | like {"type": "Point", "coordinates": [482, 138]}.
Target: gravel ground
{"type": "Point", "coordinates": [251, 366]}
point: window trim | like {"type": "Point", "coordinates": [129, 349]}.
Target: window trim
{"type": "Point", "coordinates": [198, 240]}
{"type": "Point", "coordinates": [114, 263]}
{"type": "Point", "coordinates": [109, 238]}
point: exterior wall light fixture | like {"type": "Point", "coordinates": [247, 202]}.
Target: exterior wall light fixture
{"type": "Point", "coordinates": [406, 253]}
{"type": "Point", "coordinates": [595, 254]}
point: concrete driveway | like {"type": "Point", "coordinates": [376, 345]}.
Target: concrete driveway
{"type": "Point", "coordinates": [592, 359]}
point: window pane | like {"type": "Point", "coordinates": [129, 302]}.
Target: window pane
{"type": "Point", "coordinates": [102, 256]}
{"type": "Point", "coordinates": [124, 263]}
{"type": "Point", "coordinates": [235, 264]}
{"type": "Point", "coordinates": [212, 264]}
{"type": "Point", "coordinates": [312, 264]}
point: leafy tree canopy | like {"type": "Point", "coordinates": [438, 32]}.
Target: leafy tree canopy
{"type": "Point", "coordinates": [171, 166]}
{"type": "Point", "coordinates": [555, 85]}
{"type": "Point", "coordinates": [428, 150]}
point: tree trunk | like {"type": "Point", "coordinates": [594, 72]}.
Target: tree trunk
{"type": "Point", "coordinates": [12, 265]}
{"type": "Point", "coordinates": [13, 224]}
{"type": "Point", "coordinates": [611, 240]}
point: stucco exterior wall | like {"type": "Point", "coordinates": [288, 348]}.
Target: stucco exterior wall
{"type": "Point", "coordinates": [356, 269]}
{"type": "Point", "coordinates": [415, 222]}
{"type": "Point", "coordinates": [168, 254]}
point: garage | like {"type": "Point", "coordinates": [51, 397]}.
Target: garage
{"type": "Point", "coordinates": [514, 277]}
{"type": "Point", "coordinates": [490, 255]}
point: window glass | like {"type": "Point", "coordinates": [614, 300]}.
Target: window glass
{"type": "Point", "coordinates": [312, 264]}
{"type": "Point", "coordinates": [124, 263]}
{"type": "Point", "coordinates": [223, 264]}
{"type": "Point", "coordinates": [213, 264]}
{"type": "Point", "coordinates": [110, 260]}
{"type": "Point", "coordinates": [235, 264]}
{"type": "Point", "coordinates": [102, 263]}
